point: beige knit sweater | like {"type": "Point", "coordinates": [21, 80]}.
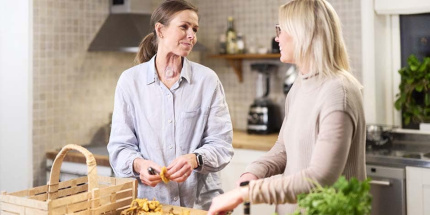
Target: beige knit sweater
{"type": "Point", "coordinates": [322, 137]}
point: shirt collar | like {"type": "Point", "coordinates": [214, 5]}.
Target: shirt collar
{"type": "Point", "coordinates": [152, 75]}
{"type": "Point", "coordinates": [152, 72]}
{"type": "Point", "coordinates": [186, 70]}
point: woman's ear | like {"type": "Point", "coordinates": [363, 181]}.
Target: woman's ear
{"type": "Point", "coordinates": [159, 29]}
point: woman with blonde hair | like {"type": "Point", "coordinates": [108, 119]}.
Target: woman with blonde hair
{"type": "Point", "coordinates": [171, 112]}
{"type": "Point", "coordinates": [323, 132]}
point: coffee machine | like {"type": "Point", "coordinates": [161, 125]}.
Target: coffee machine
{"type": "Point", "coordinates": [262, 115]}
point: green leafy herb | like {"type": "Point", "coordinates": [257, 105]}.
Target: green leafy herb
{"type": "Point", "coordinates": [344, 197]}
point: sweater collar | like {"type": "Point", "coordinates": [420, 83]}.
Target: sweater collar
{"type": "Point", "coordinates": [309, 81]}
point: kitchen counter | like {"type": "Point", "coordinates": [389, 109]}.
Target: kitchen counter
{"type": "Point", "coordinates": [241, 140]}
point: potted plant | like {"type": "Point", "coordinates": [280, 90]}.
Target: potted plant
{"type": "Point", "coordinates": [414, 96]}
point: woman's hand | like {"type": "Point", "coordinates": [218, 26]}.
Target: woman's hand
{"type": "Point", "coordinates": [225, 202]}
{"type": "Point", "coordinates": [182, 167]}
{"type": "Point", "coordinates": [141, 166]}
{"type": "Point", "coordinates": [246, 177]}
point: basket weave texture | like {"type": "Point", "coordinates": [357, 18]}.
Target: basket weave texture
{"type": "Point", "coordinates": [90, 195]}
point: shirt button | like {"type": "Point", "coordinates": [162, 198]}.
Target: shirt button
{"type": "Point", "coordinates": [176, 198]}
{"type": "Point", "coordinates": [170, 147]}
{"type": "Point", "coordinates": [170, 121]}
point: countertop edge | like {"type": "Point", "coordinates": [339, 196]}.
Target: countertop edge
{"type": "Point", "coordinates": [241, 140]}
{"type": "Point", "coordinates": [101, 160]}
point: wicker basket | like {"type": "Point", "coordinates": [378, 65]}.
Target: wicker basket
{"type": "Point", "coordinates": [86, 195]}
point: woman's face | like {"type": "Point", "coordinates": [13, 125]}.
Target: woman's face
{"type": "Point", "coordinates": [180, 36]}
{"type": "Point", "coordinates": [286, 46]}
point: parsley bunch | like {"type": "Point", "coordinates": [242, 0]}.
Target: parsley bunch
{"type": "Point", "coordinates": [344, 197]}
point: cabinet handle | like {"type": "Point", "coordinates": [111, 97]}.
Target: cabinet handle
{"type": "Point", "coordinates": [382, 183]}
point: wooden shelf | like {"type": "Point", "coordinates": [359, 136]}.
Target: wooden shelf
{"type": "Point", "coordinates": [235, 60]}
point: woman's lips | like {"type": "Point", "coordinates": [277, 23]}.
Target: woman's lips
{"type": "Point", "coordinates": [187, 44]}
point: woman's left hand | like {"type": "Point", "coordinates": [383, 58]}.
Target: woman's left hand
{"type": "Point", "coordinates": [225, 202]}
{"type": "Point", "coordinates": [182, 167]}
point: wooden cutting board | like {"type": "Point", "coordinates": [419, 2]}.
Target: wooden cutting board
{"type": "Point", "coordinates": [178, 210]}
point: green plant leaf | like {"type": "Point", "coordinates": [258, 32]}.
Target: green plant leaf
{"type": "Point", "coordinates": [343, 197]}
{"type": "Point", "coordinates": [415, 80]}
{"type": "Point", "coordinates": [427, 99]}
{"type": "Point", "coordinates": [419, 87]}
{"type": "Point", "coordinates": [407, 120]}
{"type": "Point", "coordinates": [423, 67]}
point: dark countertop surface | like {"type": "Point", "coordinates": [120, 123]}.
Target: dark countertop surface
{"type": "Point", "coordinates": [400, 154]}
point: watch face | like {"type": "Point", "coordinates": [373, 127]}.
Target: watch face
{"type": "Point", "coordinates": [199, 159]}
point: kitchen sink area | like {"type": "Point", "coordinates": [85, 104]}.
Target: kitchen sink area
{"type": "Point", "coordinates": [401, 154]}
{"type": "Point", "coordinates": [398, 172]}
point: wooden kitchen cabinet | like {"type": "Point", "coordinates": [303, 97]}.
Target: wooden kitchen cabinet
{"type": "Point", "coordinates": [418, 190]}
{"type": "Point", "coordinates": [231, 173]}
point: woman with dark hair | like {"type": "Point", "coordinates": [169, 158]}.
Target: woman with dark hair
{"type": "Point", "coordinates": [323, 133]}
{"type": "Point", "coordinates": [171, 112]}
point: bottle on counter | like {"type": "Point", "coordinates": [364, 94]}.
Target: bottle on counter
{"type": "Point", "coordinates": [222, 44]}
{"type": "Point", "coordinates": [231, 46]}
{"type": "Point", "coordinates": [240, 44]}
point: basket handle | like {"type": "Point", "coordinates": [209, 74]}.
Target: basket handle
{"type": "Point", "coordinates": [55, 170]}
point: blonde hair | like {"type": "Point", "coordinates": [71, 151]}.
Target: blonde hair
{"type": "Point", "coordinates": [163, 14]}
{"type": "Point", "coordinates": [317, 35]}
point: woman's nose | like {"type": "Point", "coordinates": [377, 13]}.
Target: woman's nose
{"type": "Point", "coordinates": [191, 34]}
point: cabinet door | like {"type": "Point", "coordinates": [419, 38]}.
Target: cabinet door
{"type": "Point", "coordinates": [231, 173]}
{"type": "Point", "coordinates": [418, 190]}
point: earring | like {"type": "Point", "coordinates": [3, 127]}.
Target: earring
{"type": "Point", "coordinates": [161, 36]}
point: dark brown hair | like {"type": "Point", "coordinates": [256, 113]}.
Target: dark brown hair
{"type": "Point", "coordinates": [163, 14]}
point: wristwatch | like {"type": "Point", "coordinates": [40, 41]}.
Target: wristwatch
{"type": "Point", "coordinates": [244, 192]}
{"type": "Point", "coordinates": [199, 159]}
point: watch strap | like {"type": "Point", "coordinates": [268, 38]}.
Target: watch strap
{"type": "Point", "coordinates": [244, 191]}
{"type": "Point", "coordinates": [199, 159]}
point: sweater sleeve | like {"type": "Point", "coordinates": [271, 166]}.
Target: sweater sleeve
{"type": "Point", "coordinates": [273, 162]}
{"type": "Point", "coordinates": [327, 163]}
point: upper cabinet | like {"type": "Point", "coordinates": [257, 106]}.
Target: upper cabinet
{"type": "Point", "coordinates": [402, 6]}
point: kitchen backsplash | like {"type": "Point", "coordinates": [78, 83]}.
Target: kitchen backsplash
{"type": "Point", "coordinates": [74, 89]}
{"type": "Point", "coordinates": [256, 20]}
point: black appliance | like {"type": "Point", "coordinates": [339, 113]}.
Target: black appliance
{"type": "Point", "coordinates": [275, 46]}
{"type": "Point", "coordinates": [263, 113]}
{"type": "Point", "coordinates": [290, 77]}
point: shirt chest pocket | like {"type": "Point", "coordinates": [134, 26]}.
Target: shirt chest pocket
{"type": "Point", "coordinates": [191, 126]}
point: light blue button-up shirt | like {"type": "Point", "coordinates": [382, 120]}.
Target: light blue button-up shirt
{"type": "Point", "coordinates": [153, 122]}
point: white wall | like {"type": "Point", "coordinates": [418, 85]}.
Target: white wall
{"type": "Point", "coordinates": [16, 95]}
{"type": "Point", "coordinates": [368, 60]}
